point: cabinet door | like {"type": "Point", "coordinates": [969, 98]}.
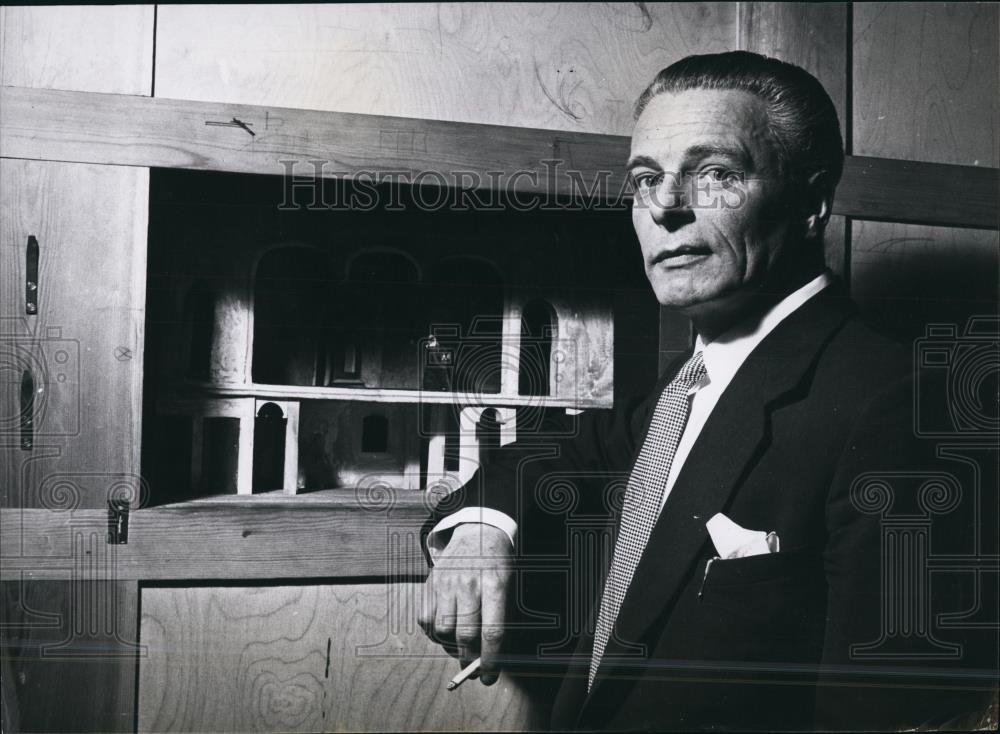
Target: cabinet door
{"type": "Point", "coordinates": [72, 360]}
{"type": "Point", "coordinates": [338, 657]}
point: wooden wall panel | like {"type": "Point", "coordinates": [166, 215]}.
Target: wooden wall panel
{"type": "Point", "coordinates": [69, 652]}
{"type": "Point", "coordinates": [907, 276]}
{"type": "Point", "coordinates": [811, 35]}
{"type": "Point", "coordinates": [925, 81]}
{"type": "Point", "coordinates": [564, 66]}
{"type": "Point", "coordinates": [87, 49]}
{"type": "Point", "coordinates": [306, 658]}
{"type": "Point", "coordinates": [925, 88]}
{"type": "Point", "coordinates": [84, 345]}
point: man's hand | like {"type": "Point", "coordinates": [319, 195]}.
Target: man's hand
{"type": "Point", "coordinates": [465, 596]}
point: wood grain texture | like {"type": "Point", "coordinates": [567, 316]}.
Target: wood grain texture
{"type": "Point", "coordinates": [566, 66]}
{"type": "Point", "coordinates": [811, 35]}
{"type": "Point", "coordinates": [926, 80]}
{"type": "Point", "coordinates": [89, 49]}
{"type": "Point", "coordinates": [306, 659]}
{"type": "Point", "coordinates": [919, 193]}
{"type": "Point", "coordinates": [136, 131]}
{"type": "Point", "coordinates": [908, 276]}
{"type": "Point", "coordinates": [70, 650]}
{"type": "Point", "coordinates": [84, 343]}
{"type": "Point", "coordinates": [69, 645]}
{"type": "Point", "coordinates": [337, 533]}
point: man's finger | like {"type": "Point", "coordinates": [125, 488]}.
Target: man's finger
{"type": "Point", "coordinates": [491, 636]}
{"type": "Point", "coordinates": [428, 606]}
{"type": "Point", "coordinates": [444, 618]}
{"type": "Point", "coordinates": [467, 628]}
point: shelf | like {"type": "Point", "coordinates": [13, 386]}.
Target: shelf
{"type": "Point", "coordinates": [341, 498]}
{"type": "Point", "coordinates": [183, 396]}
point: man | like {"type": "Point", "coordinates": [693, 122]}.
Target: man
{"type": "Point", "coordinates": [745, 576]}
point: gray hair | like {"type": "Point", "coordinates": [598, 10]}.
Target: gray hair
{"type": "Point", "coordinates": [802, 119]}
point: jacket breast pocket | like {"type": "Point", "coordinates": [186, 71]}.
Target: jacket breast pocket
{"type": "Point", "coordinates": [762, 568]}
{"type": "Point", "coordinates": [768, 605]}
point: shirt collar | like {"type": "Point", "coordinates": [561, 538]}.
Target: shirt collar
{"type": "Point", "coordinates": [725, 354]}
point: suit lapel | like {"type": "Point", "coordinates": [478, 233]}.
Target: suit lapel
{"type": "Point", "coordinates": [729, 445]}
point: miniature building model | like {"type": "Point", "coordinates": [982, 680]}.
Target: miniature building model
{"type": "Point", "coordinates": [303, 350]}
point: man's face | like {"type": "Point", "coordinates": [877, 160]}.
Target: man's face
{"type": "Point", "coordinates": [709, 207]}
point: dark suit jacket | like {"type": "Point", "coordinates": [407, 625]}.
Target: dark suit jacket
{"type": "Point", "coordinates": [823, 405]}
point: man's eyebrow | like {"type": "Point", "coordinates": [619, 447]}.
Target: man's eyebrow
{"type": "Point", "coordinates": [736, 153]}
{"type": "Point", "coordinates": [733, 152]}
{"type": "Point", "coordinates": [638, 161]}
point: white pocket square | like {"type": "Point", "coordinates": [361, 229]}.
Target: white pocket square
{"type": "Point", "coordinates": [733, 541]}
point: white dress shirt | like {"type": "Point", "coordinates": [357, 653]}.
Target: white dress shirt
{"type": "Point", "coordinates": [724, 356]}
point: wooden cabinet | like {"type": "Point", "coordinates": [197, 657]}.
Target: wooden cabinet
{"type": "Point", "coordinates": [294, 613]}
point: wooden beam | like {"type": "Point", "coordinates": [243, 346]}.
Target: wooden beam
{"type": "Point", "coordinates": [125, 130]}
{"type": "Point", "coordinates": [914, 192]}
{"type": "Point", "coordinates": [142, 131]}
{"type": "Point", "coordinates": [332, 534]}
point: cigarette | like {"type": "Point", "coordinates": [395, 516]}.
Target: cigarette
{"type": "Point", "coordinates": [464, 674]}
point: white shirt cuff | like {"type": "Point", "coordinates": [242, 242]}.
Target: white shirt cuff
{"type": "Point", "coordinates": [501, 520]}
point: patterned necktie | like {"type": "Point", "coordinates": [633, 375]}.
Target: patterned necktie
{"type": "Point", "coordinates": [644, 496]}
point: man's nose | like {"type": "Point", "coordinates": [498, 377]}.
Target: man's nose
{"type": "Point", "coordinates": [670, 205]}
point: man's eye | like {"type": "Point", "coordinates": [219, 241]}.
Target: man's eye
{"type": "Point", "coordinates": [646, 179]}
{"type": "Point", "coordinates": [720, 174]}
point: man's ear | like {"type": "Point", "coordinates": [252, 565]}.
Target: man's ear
{"type": "Point", "coordinates": [817, 202]}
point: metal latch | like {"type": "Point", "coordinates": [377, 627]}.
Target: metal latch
{"type": "Point", "coordinates": [27, 410]}
{"type": "Point", "coordinates": [31, 276]}
{"type": "Point", "coordinates": [117, 521]}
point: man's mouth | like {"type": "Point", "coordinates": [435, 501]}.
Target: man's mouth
{"type": "Point", "coordinates": [682, 255]}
